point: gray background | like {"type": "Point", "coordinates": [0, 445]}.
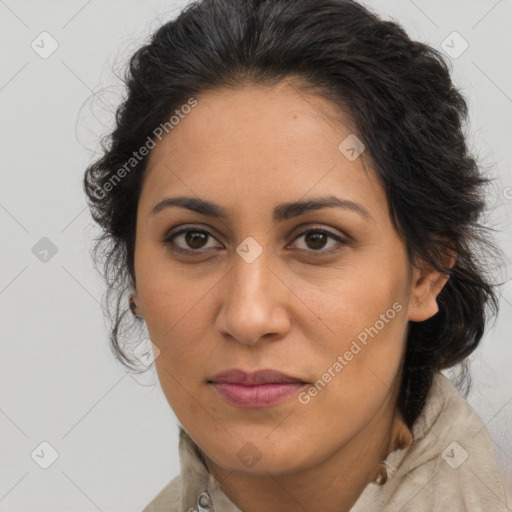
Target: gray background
{"type": "Point", "coordinates": [115, 435]}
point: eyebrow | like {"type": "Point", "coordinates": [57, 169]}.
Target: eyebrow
{"type": "Point", "coordinates": [281, 212]}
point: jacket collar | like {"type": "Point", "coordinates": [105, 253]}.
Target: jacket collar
{"type": "Point", "coordinates": [200, 491]}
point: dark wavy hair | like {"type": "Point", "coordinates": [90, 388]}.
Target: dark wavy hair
{"type": "Point", "coordinates": [403, 106]}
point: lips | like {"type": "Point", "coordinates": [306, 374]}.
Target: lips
{"type": "Point", "coordinates": [236, 376]}
{"type": "Point", "coordinates": [257, 389]}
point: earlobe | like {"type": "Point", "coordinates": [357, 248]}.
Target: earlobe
{"type": "Point", "coordinates": [135, 307]}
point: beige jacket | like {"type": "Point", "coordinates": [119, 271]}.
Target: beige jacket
{"type": "Point", "coordinates": [449, 467]}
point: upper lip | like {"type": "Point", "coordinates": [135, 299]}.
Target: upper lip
{"type": "Point", "coordinates": [236, 376]}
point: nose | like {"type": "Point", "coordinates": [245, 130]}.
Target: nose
{"type": "Point", "coordinates": [254, 303]}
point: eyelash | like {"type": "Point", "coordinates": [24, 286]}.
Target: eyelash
{"type": "Point", "coordinates": [169, 240]}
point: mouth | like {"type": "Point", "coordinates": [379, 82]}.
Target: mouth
{"type": "Point", "coordinates": [262, 388]}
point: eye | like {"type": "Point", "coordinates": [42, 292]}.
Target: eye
{"type": "Point", "coordinates": [192, 240]}
{"type": "Point", "coordinates": [196, 240]}
{"type": "Point", "coordinates": [316, 240]}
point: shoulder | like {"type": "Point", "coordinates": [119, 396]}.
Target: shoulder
{"type": "Point", "coordinates": [167, 500]}
{"type": "Point", "coordinates": [450, 464]}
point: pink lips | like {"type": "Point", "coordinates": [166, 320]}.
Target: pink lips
{"type": "Point", "coordinates": [258, 389]}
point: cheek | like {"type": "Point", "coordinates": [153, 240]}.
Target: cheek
{"type": "Point", "coordinates": [172, 299]}
{"type": "Point", "coordinates": [373, 339]}
{"type": "Point", "coordinates": [350, 300]}
{"type": "Point", "coordinates": [358, 356]}
{"type": "Point", "coordinates": [179, 312]}
{"type": "Point", "coordinates": [354, 377]}
{"type": "Point", "coordinates": [176, 315]}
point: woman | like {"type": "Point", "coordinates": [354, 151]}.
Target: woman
{"type": "Point", "coordinates": [289, 201]}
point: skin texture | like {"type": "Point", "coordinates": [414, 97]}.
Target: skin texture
{"type": "Point", "coordinates": [294, 308]}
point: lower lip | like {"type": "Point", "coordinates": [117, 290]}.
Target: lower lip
{"type": "Point", "coordinates": [262, 395]}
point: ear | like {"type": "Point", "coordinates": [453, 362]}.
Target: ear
{"type": "Point", "coordinates": [426, 284]}
{"type": "Point", "coordinates": [135, 304]}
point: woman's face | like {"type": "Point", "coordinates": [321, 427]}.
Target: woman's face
{"type": "Point", "coordinates": [250, 291]}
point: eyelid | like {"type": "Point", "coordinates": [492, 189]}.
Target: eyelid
{"type": "Point", "coordinates": [308, 226]}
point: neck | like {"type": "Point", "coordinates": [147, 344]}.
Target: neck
{"type": "Point", "coordinates": [332, 486]}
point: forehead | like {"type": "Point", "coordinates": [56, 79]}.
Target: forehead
{"type": "Point", "coordinates": [253, 115]}
{"type": "Point", "coordinates": [259, 141]}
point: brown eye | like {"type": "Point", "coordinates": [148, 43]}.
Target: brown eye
{"type": "Point", "coordinates": [316, 239]}
{"type": "Point", "coordinates": [190, 240]}
{"type": "Point", "coordinates": [195, 239]}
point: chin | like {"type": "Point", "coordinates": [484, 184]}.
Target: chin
{"type": "Point", "coordinates": [260, 465]}
{"type": "Point", "coordinates": [260, 457]}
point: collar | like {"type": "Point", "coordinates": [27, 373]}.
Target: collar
{"type": "Point", "coordinates": [200, 491]}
